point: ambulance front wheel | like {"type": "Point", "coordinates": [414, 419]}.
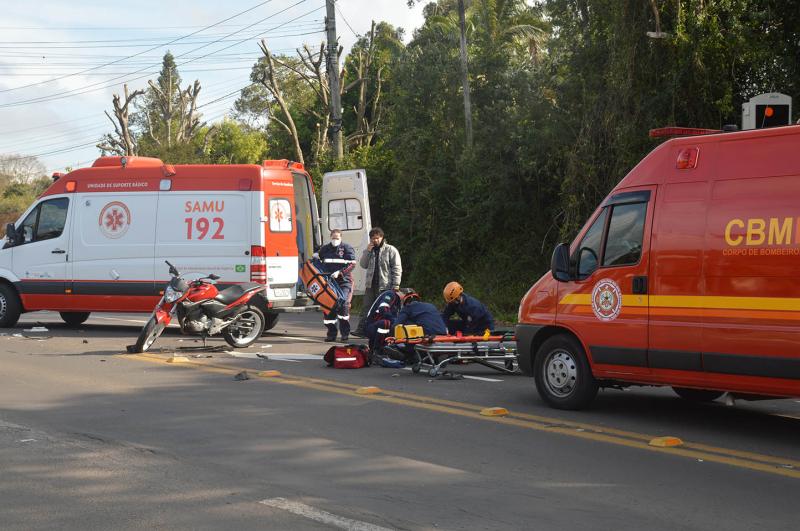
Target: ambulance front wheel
{"type": "Point", "coordinates": [10, 307]}
{"type": "Point", "coordinates": [562, 373]}
{"type": "Point", "coordinates": [74, 318]}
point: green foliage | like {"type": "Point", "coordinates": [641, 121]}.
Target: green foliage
{"type": "Point", "coordinates": [17, 195]}
{"type": "Point", "coordinates": [234, 143]}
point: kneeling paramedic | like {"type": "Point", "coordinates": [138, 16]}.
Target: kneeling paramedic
{"type": "Point", "coordinates": [475, 317]}
{"type": "Point", "coordinates": [338, 260]}
{"type": "Point", "coordinates": [424, 314]}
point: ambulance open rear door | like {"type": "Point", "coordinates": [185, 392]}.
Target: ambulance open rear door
{"type": "Point", "coordinates": [345, 206]}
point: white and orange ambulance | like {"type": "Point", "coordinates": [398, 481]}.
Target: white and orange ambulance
{"type": "Point", "coordinates": [97, 238]}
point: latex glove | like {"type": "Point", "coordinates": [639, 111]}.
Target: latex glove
{"type": "Point", "coordinates": [336, 274]}
{"type": "Point", "coordinates": [315, 256]}
{"type": "Point", "coordinates": [396, 288]}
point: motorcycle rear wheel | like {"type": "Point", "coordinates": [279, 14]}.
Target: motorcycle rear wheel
{"type": "Point", "coordinates": [148, 335]}
{"type": "Point", "coordinates": [247, 328]}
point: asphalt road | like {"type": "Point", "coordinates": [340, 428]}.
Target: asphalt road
{"type": "Point", "coordinates": [93, 438]}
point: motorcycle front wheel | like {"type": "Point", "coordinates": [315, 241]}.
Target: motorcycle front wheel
{"type": "Point", "coordinates": [149, 334]}
{"type": "Point", "coordinates": [245, 329]}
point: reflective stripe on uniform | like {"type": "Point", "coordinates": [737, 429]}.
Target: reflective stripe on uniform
{"type": "Point", "coordinates": [383, 330]}
{"type": "Point", "coordinates": [329, 321]}
{"type": "Point", "coordinates": [338, 261]}
{"type": "Point", "coordinates": [344, 317]}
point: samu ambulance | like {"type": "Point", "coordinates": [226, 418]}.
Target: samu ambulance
{"type": "Point", "coordinates": [686, 275]}
{"type": "Point", "coordinates": [97, 238]}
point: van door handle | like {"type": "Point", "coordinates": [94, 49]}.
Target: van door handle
{"type": "Point", "coordinates": [58, 251]}
{"type": "Point", "coordinates": [639, 285]}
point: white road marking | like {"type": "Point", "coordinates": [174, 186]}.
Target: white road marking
{"type": "Point", "coordinates": [318, 515]}
{"type": "Point", "coordinates": [122, 320]}
{"type": "Point", "coordinates": [272, 356]}
{"type": "Point", "coordinates": [301, 339]}
{"type": "Point", "coordinates": [481, 378]}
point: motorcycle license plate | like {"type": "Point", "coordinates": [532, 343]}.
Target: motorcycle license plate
{"type": "Point", "coordinates": [281, 292]}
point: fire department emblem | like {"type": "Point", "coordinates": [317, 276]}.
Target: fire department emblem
{"type": "Point", "coordinates": [606, 300]}
{"type": "Point", "coordinates": [115, 219]}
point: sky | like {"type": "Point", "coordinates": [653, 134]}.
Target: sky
{"type": "Point", "coordinates": [61, 63]}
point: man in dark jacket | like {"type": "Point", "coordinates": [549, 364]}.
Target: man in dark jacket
{"type": "Point", "coordinates": [384, 272]}
{"type": "Point", "coordinates": [416, 312]}
{"type": "Point", "coordinates": [475, 317]}
{"type": "Point", "coordinates": [338, 260]}
{"type": "Point", "coordinates": [424, 314]}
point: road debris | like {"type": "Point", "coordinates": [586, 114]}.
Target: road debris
{"type": "Point", "coordinates": [242, 376]}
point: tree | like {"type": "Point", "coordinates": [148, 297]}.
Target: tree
{"type": "Point", "coordinates": [269, 80]}
{"type": "Point", "coordinates": [15, 167]}
{"type": "Point", "coordinates": [22, 179]}
{"type": "Point", "coordinates": [123, 140]}
{"type": "Point", "coordinates": [369, 67]}
{"type": "Point", "coordinates": [168, 123]}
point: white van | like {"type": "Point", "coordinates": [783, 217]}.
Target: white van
{"type": "Point", "coordinates": [96, 240]}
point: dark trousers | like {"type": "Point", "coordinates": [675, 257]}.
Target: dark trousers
{"type": "Point", "coordinates": [341, 313]}
{"type": "Point", "coordinates": [369, 298]}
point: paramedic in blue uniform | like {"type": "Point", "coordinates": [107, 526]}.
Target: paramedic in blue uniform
{"type": "Point", "coordinates": [424, 314]}
{"type": "Point", "coordinates": [475, 317]}
{"type": "Point", "coordinates": [338, 260]}
{"type": "Point", "coordinates": [377, 325]}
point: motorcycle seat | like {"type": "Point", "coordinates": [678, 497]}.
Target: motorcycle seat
{"type": "Point", "coordinates": [230, 294]}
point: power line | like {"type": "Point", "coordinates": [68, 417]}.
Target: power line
{"type": "Point", "coordinates": [109, 82]}
{"type": "Point", "coordinates": [135, 55]}
{"type": "Point", "coordinates": [94, 41]}
{"type": "Point", "coordinates": [336, 5]}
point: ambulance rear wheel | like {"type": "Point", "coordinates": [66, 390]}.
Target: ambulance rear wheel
{"type": "Point", "coordinates": [270, 320]}
{"type": "Point", "coordinates": [697, 395]}
{"type": "Point", "coordinates": [10, 307]}
{"type": "Point", "coordinates": [246, 329]}
{"type": "Point", "coordinates": [74, 318]}
{"type": "Point", "coordinates": [562, 373]}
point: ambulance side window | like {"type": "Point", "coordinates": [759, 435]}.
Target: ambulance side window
{"type": "Point", "coordinates": [588, 253]}
{"type": "Point", "coordinates": [52, 219]}
{"type": "Point", "coordinates": [625, 232]}
{"type": "Point", "coordinates": [280, 215]}
{"type": "Point", "coordinates": [46, 221]}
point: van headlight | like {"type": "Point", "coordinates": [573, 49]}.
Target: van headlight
{"type": "Point", "coordinates": [170, 295]}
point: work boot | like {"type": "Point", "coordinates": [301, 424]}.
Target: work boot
{"type": "Point", "coordinates": [329, 339]}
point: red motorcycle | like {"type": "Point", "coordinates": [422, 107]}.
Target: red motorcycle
{"type": "Point", "coordinates": [203, 310]}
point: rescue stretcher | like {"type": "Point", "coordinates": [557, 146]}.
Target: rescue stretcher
{"type": "Point", "coordinates": [498, 352]}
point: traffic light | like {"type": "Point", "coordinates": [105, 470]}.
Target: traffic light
{"type": "Point", "coordinates": [767, 110]}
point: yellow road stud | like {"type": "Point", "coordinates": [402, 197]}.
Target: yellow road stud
{"type": "Point", "coordinates": [666, 442]}
{"type": "Point", "coordinates": [371, 390]}
{"type": "Point", "coordinates": [494, 412]}
{"type": "Point", "coordinates": [177, 359]}
{"type": "Point", "coordinates": [269, 374]}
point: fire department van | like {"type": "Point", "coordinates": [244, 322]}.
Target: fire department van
{"type": "Point", "coordinates": [685, 276]}
{"type": "Point", "coordinates": [97, 238]}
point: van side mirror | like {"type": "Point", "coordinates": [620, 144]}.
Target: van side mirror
{"type": "Point", "coordinates": [11, 234]}
{"type": "Point", "coordinates": [559, 264]}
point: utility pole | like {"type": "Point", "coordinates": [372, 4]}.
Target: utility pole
{"type": "Point", "coordinates": [465, 75]}
{"type": "Point", "coordinates": [333, 79]}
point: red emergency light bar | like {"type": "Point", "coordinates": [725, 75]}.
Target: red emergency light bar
{"type": "Point", "coordinates": [681, 131]}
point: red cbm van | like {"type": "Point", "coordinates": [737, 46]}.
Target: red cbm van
{"type": "Point", "coordinates": [686, 275]}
